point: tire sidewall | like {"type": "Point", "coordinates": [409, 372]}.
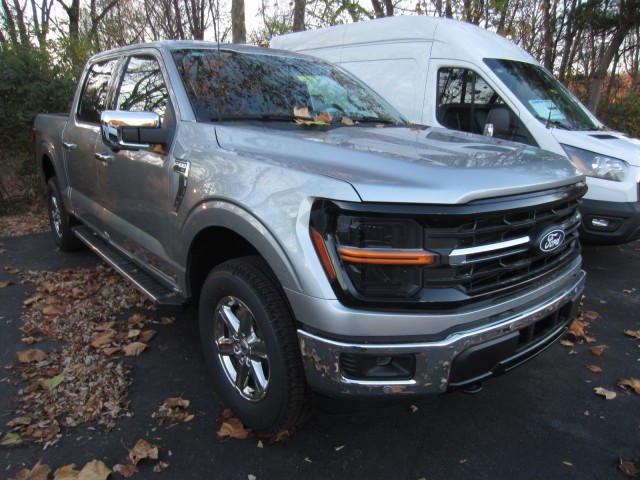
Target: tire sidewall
{"type": "Point", "coordinates": [260, 415]}
{"type": "Point", "coordinates": [66, 240]}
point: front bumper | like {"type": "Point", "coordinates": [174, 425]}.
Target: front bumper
{"type": "Point", "coordinates": [622, 221]}
{"type": "Point", "coordinates": [463, 358]}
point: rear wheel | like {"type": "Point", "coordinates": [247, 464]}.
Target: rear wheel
{"type": "Point", "coordinates": [250, 343]}
{"type": "Point", "coordinates": [60, 220]}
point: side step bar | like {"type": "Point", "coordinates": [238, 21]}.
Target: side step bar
{"type": "Point", "coordinates": [158, 293]}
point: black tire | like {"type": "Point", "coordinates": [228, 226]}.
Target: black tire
{"type": "Point", "coordinates": [60, 220]}
{"type": "Point", "coordinates": [250, 343]}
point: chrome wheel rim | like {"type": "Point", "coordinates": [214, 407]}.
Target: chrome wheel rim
{"type": "Point", "coordinates": [241, 351]}
{"type": "Point", "coordinates": [56, 216]}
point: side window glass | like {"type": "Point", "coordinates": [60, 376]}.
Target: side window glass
{"type": "Point", "coordinates": [464, 100]}
{"type": "Point", "coordinates": [143, 88]}
{"type": "Point", "coordinates": [94, 94]}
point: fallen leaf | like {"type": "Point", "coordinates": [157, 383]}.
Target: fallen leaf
{"type": "Point", "coordinates": [347, 121]}
{"type": "Point", "coordinates": [103, 327]}
{"type": "Point", "coordinates": [101, 340]}
{"type": "Point", "coordinates": [607, 394]}
{"type": "Point", "coordinates": [177, 402]}
{"type": "Point", "coordinates": [578, 330]}
{"type": "Point", "coordinates": [11, 440]}
{"type": "Point", "coordinates": [632, 383]}
{"type": "Point", "coordinates": [232, 427]}
{"type": "Point", "coordinates": [566, 343]}
{"type": "Point", "coordinates": [628, 290]}
{"type": "Point", "coordinates": [568, 464]}
{"type": "Point", "coordinates": [629, 468]}
{"type": "Point", "coordinates": [134, 349]}
{"type": "Point", "coordinates": [33, 299]}
{"type": "Point", "coordinates": [94, 470]}
{"type": "Point", "coordinates": [19, 421]}
{"type": "Point", "coordinates": [260, 444]}
{"type": "Point", "coordinates": [590, 315]}
{"type": "Point", "coordinates": [160, 466]}
{"type": "Point", "coordinates": [281, 437]}
{"type": "Point", "coordinates": [39, 472]}
{"type": "Point", "coordinates": [301, 112]}
{"type": "Point", "coordinates": [633, 333]}
{"type": "Point", "coordinates": [110, 350]}
{"type": "Point", "coordinates": [413, 408]}
{"type": "Point", "coordinates": [133, 333]}
{"type": "Point", "coordinates": [338, 448]}
{"type": "Point", "coordinates": [127, 471]}
{"type": "Point", "coordinates": [147, 335]}
{"type": "Point", "coordinates": [53, 310]}
{"type": "Point", "coordinates": [68, 472]}
{"type": "Point", "coordinates": [51, 383]}
{"type": "Point", "coordinates": [12, 270]}
{"type": "Point", "coordinates": [599, 350]}
{"type": "Point", "coordinates": [324, 117]}
{"type": "Point", "coordinates": [594, 368]}
{"type": "Point", "coordinates": [251, 477]}
{"type": "Point", "coordinates": [6, 283]}
{"type": "Point", "coordinates": [143, 449]}
{"type": "Point", "coordinates": [31, 355]}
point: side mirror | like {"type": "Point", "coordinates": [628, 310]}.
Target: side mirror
{"type": "Point", "coordinates": [124, 130]}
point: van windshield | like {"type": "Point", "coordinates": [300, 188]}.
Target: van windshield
{"type": "Point", "coordinates": [546, 98]}
{"type": "Point", "coordinates": [228, 85]}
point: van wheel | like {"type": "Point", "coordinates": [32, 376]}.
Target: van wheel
{"type": "Point", "coordinates": [60, 220]}
{"type": "Point", "coordinates": [251, 346]}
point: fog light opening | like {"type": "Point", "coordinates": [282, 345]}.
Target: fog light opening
{"type": "Point", "coordinates": [600, 223]}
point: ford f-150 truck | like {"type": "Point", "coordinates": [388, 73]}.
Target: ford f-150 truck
{"type": "Point", "coordinates": [330, 245]}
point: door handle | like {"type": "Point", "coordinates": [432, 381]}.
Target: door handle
{"type": "Point", "coordinates": [104, 157]}
{"type": "Point", "coordinates": [69, 146]}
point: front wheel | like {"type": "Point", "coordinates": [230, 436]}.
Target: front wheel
{"type": "Point", "coordinates": [250, 343]}
{"type": "Point", "coordinates": [60, 220]}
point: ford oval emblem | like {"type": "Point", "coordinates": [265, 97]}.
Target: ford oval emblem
{"type": "Point", "coordinates": [551, 241]}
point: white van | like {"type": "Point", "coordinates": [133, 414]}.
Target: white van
{"type": "Point", "coordinates": [438, 71]}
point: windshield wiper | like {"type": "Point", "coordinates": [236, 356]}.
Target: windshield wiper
{"type": "Point", "coordinates": [386, 121]}
{"type": "Point", "coordinates": [267, 117]}
{"type": "Point", "coordinates": [555, 123]}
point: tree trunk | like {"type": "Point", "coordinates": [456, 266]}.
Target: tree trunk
{"type": "Point", "coordinates": [600, 72]}
{"type": "Point", "coordinates": [298, 15]}
{"type": "Point", "coordinates": [238, 26]}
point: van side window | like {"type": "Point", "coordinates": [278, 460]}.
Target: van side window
{"type": "Point", "coordinates": [94, 94]}
{"type": "Point", "coordinates": [464, 100]}
{"type": "Point", "coordinates": [143, 88]}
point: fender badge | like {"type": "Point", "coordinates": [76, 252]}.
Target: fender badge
{"type": "Point", "coordinates": [551, 240]}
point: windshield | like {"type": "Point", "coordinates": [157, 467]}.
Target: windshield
{"type": "Point", "coordinates": [546, 98]}
{"type": "Point", "coordinates": [229, 85]}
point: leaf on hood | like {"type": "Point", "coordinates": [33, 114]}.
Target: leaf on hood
{"type": "Point", "coordinates": [94, 470]}
{"type": "Point", "coordinates": [31, 355]}
{"type": "Point", "coordinates": [127, 471]}
{"type": "Point", "coordinates": [324, 117]}
{"type": "Point", "coordinates": [301, 112]}
{"type": "Point", "coordinates": [347, 121]}
{"type": "Point", "coordinates": [39, 472]}
{"type": "Point", "coordinates": [51, 383]}
{"type": "Point", "coordinates": [134, 349]}
{"type": "Point", "coordinates": [632, 383]}
{"type": "Point", "coordinates": [607, 394]}
{"type": "Point", "coordinates": [598, 350]}
{"type": "Point", "coordinates": [632, 333]}
{"type": "Point", "coordinates": [141, 450]}
{"type": "Point", "coordinates": [594, 368]}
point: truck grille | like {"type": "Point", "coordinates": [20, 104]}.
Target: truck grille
{"type": "Point", "coordinates": [497, 253]}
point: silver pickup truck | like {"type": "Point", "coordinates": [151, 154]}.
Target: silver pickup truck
{"type": "Point", "coordinates": [330, 245]}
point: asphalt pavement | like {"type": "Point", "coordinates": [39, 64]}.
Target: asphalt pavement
{"type": "Point", "coordinates": [540, 421]}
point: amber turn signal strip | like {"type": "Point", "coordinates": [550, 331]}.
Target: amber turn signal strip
{"type": "Point", "coordinates": [386, 257]}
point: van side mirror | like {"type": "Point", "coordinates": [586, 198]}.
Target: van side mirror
{"type": "Point", "coordinates": [124, 130]}
{"type": "Point", "coordinates": [498, 122]}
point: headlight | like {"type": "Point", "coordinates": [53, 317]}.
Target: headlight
{"type": "Point", "coordinates": [597, 165]}
{"type": "Point", "coordinates": [370, 255]}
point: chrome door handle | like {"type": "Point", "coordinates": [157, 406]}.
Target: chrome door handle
{"type": "Point", "coordinates": [69, 146]}
{"type": "Point", "coordinates": [104, 157]}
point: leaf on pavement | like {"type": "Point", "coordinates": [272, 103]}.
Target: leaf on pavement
{"type": "Point", "coordinates": [232, 427]}
{"type": "Point", "coordinates": [566, 343]}
{"type": "Point", "coordinates": [632, 383]}
{"type": "Point", "coordinates": [94, 470]}
{"type": "Point", "coordinates": [6, 283]}
{"type": "Point", "coordinates": [607, 394]}
{"type": "Point", "coordinates": [127, 471]}
{"type": "Point", "coordinates": [141, 450]}
{"type": "Point", "coordinates": [590, 315]}
{"type": "Point", "coordinates": [12, 270]}
{"type": "Point", "coordinates": [11, 440]}
{"type": "Point", "coordinates": [578, 330]}
{"type": "Point", "coordinates": [594, 368]}
{"type": "Point", "coordinates": [39, 472]}
{"type": "Point", "coordinates": [31, 355]}
{"type": "Point", "coordinates": [101, 340]}
{"type": "Point", "coordinates": [179, 402]}
{"type": "Point", "coordinates": [68, 472]}
{"type": "Point", "coordinates": [629, 468]}
{"type": "Point", "coordinates": [147, 335]}
{"type": "Point", "coordinates": [134, 349]}
{"type": "Point", "coordinates": [598, 350]}
{"type": "Point", "coordinates": [51, 383]}
{"type": "Point", "coordinates": [33, 298]}
{"type": "Point", "coordinates": [632, 333]}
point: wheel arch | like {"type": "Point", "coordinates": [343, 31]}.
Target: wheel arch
{"type": "Point", "coordinates": [230, 232]}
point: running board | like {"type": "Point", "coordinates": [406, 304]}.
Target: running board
{"type": "Point", "coordinates": [158, 293]}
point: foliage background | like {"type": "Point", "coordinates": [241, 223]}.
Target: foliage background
{"type": "Point", "coordinates": [593, 46]}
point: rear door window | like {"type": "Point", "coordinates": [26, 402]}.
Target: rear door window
{"type": "Point", "coordinates": [143, 88]}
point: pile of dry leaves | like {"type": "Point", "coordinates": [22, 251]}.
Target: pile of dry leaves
{"type": "Point", "coordinates": [34, 220]}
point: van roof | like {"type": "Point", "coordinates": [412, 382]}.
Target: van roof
{"type": "Point", "coordinates": [451, 38]}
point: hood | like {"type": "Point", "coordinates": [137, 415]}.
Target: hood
{"type": "Point", "coordinates": [613, 144]}
{"type": "Point", "coordinates": [403, 164]}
